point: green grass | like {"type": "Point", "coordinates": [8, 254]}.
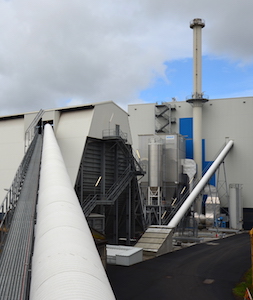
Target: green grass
{"type": "Point", "coordinates": [239, 290]}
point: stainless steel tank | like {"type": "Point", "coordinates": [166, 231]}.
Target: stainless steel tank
{"type": "Point", "coordinates": [235, 206]}
{"type": "Point", "coordinates": [174, 153]}
{"type": "Point", "coordinates": [155, 163]}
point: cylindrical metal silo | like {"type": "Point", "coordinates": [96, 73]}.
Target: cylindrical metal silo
{"type": "Point", "coordinates": [155, 163]}
{"type": "Point", "coordinates": [235, 206]}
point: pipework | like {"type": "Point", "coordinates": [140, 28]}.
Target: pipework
{"type": "Point", "coordinates": [66, 264]}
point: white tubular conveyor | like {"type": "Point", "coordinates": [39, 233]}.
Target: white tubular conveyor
{"type": "Point", "coordinates": [200, 186]}
{"type": "Point", "coordinates": [65, 264]}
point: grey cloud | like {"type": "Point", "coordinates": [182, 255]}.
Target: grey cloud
{"type": "Point", "coordinates": [54, 53]}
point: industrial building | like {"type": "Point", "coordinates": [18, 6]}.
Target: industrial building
{"type": "Point", "coordinates": [95, 142]}
{"type": "Point", "coordinates": [134, 170]}
{"type": "Point", "coordinates": [88, 173]}
{"type": "Point", "coordinates": [143, 178]}
{"type": "Point", "coordinates": [223, 120]}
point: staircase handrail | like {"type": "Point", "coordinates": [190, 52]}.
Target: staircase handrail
{"type": "Point", "coordinates": [136, 164]}
{"type": "Point", "coordinates": [117, 183]}
{"type": "Point", "coordinates": [111, 195]}
{"type": "Point", "coordinates": [89, 204]}
{"type": "Point", "coordinates": [123, 136]}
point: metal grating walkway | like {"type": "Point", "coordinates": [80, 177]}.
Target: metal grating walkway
{"type": "Point", "coordinates": [15, 258]}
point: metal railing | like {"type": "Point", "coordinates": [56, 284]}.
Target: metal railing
{"type": "Point", "coordinates": [89, 204]}
{"type": "Point", "coordinates": [112, 133]}
{"type": "Point", "coordinates": [117, 133]}
{"type": "Point", "coordinates": [15, 259]}
{"type": "Point", "coordinates": [10, 201]}
{"type": "Point", "coordinates": [32, 130]}
{"type": "Point", "coordinates": [137, 166]}
{"type": "Point", "coordinates": [117, 188]}
{"type": "Point", "coordinates": [111, 195]}
{"type": "Point", "coordinates": [197, 96]}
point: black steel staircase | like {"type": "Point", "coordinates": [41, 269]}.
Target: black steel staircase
{"type": "Point", "coordinates": [111, 195]}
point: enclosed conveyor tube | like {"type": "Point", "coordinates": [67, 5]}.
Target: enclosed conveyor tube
{"type": "Point", "coordinates": [66, 263]}
{"type": "Point", "coordinates": [200, 186]}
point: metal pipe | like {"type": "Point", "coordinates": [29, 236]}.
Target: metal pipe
{"type": "Point", "coordinates": [200, 186]}
{"type": "Point", "coordinates": [66, 263]}
{"type": "Point", "coordinates": [197, 135]}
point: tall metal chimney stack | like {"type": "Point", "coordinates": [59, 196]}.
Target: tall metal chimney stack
{"type": "Point", "coordinates": [197, 101]}
{"type": "Point", "coordinates": [197, 25]}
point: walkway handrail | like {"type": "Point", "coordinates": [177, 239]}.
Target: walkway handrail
{"type": "Point", "coordinates": [32, 130]}
{"type": "Point", "coordinates": [16, 253]}
{"type": "Point", "coordinates": [10, 201]}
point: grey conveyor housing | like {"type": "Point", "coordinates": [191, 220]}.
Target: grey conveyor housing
{"type": "Point", "coordinates": [200, 186]}
{"type": "Point", "coordinates": [15, 256]}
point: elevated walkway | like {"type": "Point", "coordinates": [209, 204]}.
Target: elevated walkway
{"type": "Point", "coordinates": [15, 256]}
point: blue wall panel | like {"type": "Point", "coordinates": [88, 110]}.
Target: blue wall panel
{"type": "Point", "coordinates": [186, 129]}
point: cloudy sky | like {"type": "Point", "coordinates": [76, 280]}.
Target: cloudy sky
{"type": "Point", "coordinates": [67, 52]}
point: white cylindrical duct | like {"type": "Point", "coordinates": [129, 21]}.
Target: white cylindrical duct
{"type": "Point", "coordinates": [200, 186]}
{"type": "Point", "coordinates": [155, 171]}
{"type": "Point", "coordinates": [197, 135]}
{"type": "Point", "coordinates": [66, 263]}
{"type": "Point", "coordinates": [235, 206]}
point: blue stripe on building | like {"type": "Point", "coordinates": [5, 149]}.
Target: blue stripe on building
{"type": "Point", "coordinates": [186, 129]}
